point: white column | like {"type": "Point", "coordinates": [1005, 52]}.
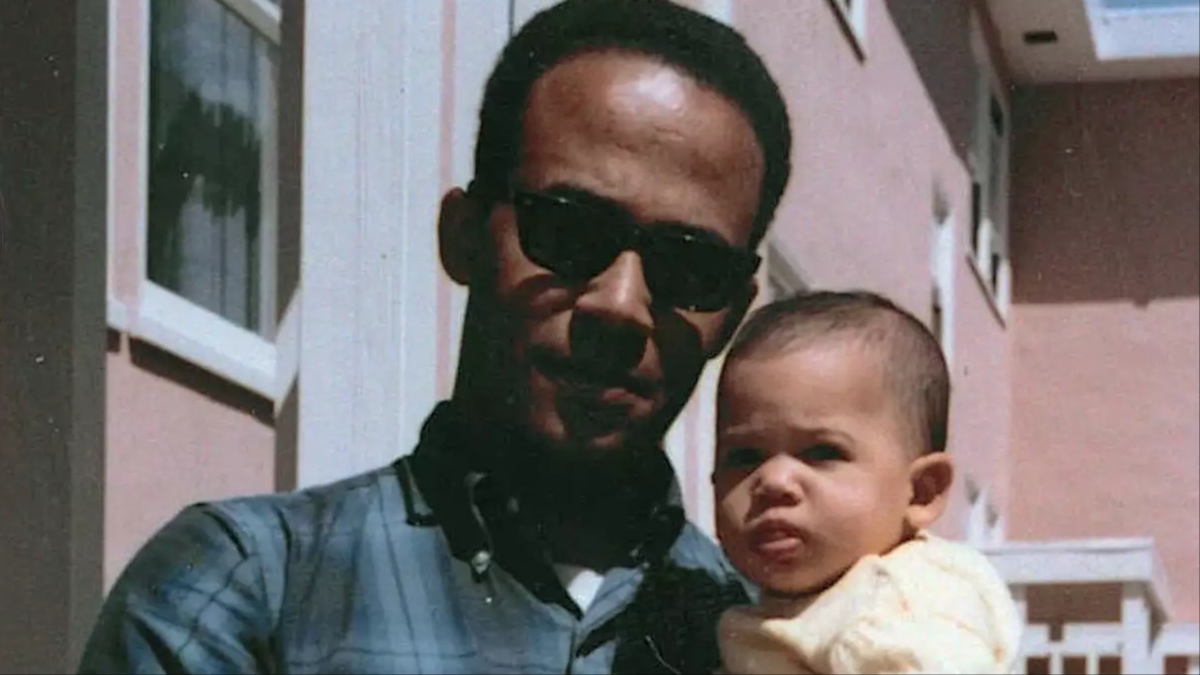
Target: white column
{"type": "Point", "coordinates": [1135, 630]}
{"type": "Point", "coordinates": [370, 183]}
{"type": "Point", "coordinates": [480, 31]}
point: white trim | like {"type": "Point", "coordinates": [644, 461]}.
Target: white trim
{"type": "Point", "coordinates": [268, 262]}
{"type": "Point", "coordinates": [981, 277]}
{"type": "Point", "coordinates": [143, 139]}
{"type": "Point", "coordinates": [1084, 561]}
{"type": "Point", "coordinates": [421, 149]}
{"type": "Point", "coordinates": [721, 10]}
{"type": "Point", "coordinates": [287, 350]}
{"type": "Point", "coordinates": [205, 339]}
{"type": "Point", "coordinates": [264, 17]}
{"type": "Point", "coordinates": [117, 314]}
{"type": "Point", "coordinates": [780, 270]}
{"type": "Point", "coordinates": [991, 237]}
{"type": "Point", "coordinates": [523, 10]}
{"type": "Point", "coordinates": [1151, 33]}
{"type": "Point", "coordinates": [854, 23]}
{"type": "Point", "coordinates": [371, 147]}
{"type": "Point", "coordinates": [480, 31]}
{"type": "Point", "coordinates": [945, 226]}
{"type": "Point", "coordinates": [1099, 638]}
{"type": "Point", "coordinates": [115, 311]}
{"type": "Point", "coordinates": [1177, 639]}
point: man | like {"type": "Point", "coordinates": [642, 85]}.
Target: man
{"type": "Point", "coordinates": [630, 156]}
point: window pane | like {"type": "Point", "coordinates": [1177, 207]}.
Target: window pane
{"type": "Point", "coordinates": [212, 104]}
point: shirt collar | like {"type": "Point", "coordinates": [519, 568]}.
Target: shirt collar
{"type": "Point", "coordinates": [457, 472]}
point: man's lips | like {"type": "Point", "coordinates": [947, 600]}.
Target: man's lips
{"type": "Point", "coordinates": [606, 383]}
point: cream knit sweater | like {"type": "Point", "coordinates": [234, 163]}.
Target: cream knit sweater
{"type": "Point", "coordinates": [928, 606]}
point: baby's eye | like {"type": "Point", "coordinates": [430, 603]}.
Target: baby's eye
{"type": "Point", "coordinates": [822, 453]}
{"type": "Point", "coordinates": [741, 458]}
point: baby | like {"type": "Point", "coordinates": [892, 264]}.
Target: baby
{"type": "Point", "coordinates": [830, 467]}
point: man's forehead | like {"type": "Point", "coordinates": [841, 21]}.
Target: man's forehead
{"type": "Point", "coordinates": [590, 114]}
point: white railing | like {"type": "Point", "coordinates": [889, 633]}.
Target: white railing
{"type": "Point", "coordinates": [1095, 648]}
{"type": "Point", "coordinates": [1133, 635]}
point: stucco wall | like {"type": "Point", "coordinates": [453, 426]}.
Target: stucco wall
{"type": "Point", "coordinates": [1106, 244]}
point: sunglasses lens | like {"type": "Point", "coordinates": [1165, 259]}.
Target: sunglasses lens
{"type": "Point", "coordinates": [577, 242]}
{"type": "Point", "coordinates": [695, 275]}
{"type": "Point", "coordinates": [564, 238]}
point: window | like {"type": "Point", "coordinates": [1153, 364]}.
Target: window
{"type": "Point", "coordinates": [207, 195]}
{"type": "Point", "coordinates": [211, 173]}
{"type": "Point", "coordinates": [853, 17]}
{"type": "Point", "coordinates": [989, 166]}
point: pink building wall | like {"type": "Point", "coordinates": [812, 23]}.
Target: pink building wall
{"type": "Point", "coordinates": [1106, 243]}
{"type": "Point", "coordinates": [870, 151]}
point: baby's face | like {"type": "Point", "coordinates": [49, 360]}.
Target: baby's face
{"type": "Point", "coordinates": [812, 466]}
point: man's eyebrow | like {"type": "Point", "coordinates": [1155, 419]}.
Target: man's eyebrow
{"type": "Point", "coordinates": [592, 200]}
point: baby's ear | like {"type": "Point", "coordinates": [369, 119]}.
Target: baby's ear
{"type": "Point", "coordinates": [931, 476]}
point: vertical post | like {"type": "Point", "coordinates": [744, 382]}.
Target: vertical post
{"type": "Point", "coordinates": [1135, 630]}
{"type": "Point", "coordinates": [53, 203]}
{"type": "Point", "coordinates": [480, 31]}
{"type": "Point", "coordinates": [368, 271]}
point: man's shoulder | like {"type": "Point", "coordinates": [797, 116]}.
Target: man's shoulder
{"type": "Point", "coordinates": [330, 508]}
{"type": "Point", "coordinates": [693, 549]}
{"type": "Point", "coordinates": [268, 530]}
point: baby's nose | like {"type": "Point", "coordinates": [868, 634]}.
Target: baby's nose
{"type": "Point", "coordinates": [777, 481]}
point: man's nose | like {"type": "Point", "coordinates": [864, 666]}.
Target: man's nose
{"type": "Point", "coordinates": [777, 481]}
{"type": "Point", "coordinates": [618, 296]}
{"type": "Point", "coordinates": [612, 321]}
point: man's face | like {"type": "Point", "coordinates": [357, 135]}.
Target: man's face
{"type": "Point", "coordinates": [813, 465]}
{"type": "Point", "coordinates": [599, 363]}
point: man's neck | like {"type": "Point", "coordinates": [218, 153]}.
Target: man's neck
{"type": "Point", "coordinates": [587, 512]}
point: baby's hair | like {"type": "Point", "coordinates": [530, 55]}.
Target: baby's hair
{"type": "Point", "coordinates": [910, 356]}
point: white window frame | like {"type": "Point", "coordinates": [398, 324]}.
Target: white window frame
{"type": "Point", "coordinates": [942, 259]}
{"type": "Point", "coordinates": [852, 15]}
{"type": "Point", "coordinates": [115, 310]}
{"type": "Point", "coordinates": [168, 320]}
{"type": "Point", "coordinates": [990, 237]}
{"type": "Point", "coordinates": [985, 525]}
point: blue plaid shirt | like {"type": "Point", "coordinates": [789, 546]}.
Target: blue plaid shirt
{"type": "Point", "coordinates": [373, 575]}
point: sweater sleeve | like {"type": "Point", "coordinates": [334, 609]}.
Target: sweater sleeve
{"type": "Point", "coordinates": [929, 643]}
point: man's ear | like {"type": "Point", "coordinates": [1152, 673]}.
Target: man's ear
{"type": "Point", "coordinates": [734, 315]}
{"type": "Point", "coordinates": [463, 238]}
{"type": "Point", "coordinates": [931, 476]}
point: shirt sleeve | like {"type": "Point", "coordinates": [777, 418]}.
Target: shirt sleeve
{"type": "Point", "coordinates": [934, 643]}
{"type": "Point", "coordinates": [191, 601]}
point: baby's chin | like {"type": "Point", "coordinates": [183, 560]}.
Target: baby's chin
{"type": "Point", "coordinates": [791, 588]}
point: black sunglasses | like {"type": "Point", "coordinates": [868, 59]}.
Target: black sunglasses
{"type": "Point", "coordinates": [683, 268]}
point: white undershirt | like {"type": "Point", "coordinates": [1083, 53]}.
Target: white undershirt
{"type": "Point", "coordinates": [581, 583]}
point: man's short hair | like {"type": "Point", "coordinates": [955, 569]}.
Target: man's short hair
{"type": "Point", "coordinates": [703, 48]}
{"type": "Point", "coordinates": [908, 353]}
